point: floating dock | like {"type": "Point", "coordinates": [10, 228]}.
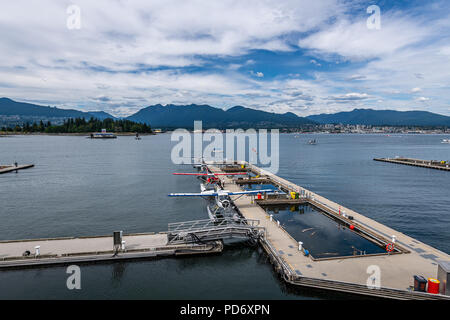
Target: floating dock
{"type": "Point", "coordinates": [11, 168]}
{"type": "Point", "coordinates": [350, 274]}
{"type": "Point", "coordinates": [389, 274]}
{"type": "Point", "coordinates": [431, 164]}
{"type": "Point", "coordinates": [62, 251]}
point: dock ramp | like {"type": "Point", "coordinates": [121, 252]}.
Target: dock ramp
{"type": "Point", "coordinates": [212, 230]}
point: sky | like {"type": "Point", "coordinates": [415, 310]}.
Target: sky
{"type": "Point", "coordinates": [302, 56]}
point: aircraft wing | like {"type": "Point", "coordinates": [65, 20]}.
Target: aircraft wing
{"type": "Point", "coordinates": [192, 174]}
{"type": "Point", "coordinates": [201, 194]}
{"type": "Point", "coordinates": [230, 174]}
{"type": "Point", "coordinates": [209, 174]}
{"type": "Point", "coordinates": [220, 193]}
{"type": "Point", "coordinates": [251, 192]}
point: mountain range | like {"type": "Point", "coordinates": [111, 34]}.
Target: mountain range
{"type": "Point", "coordinates": [383, 117]}
{"type": "Point", "coordinates": [176, 116]}
{"type": "Point", "coordinates": [13, 112]}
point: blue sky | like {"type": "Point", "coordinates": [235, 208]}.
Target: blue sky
{"type": "Point", "coordinates": [298, 56]}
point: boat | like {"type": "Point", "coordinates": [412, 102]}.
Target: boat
{"type": "Point", "coordinates": [312, 142]}
{"type": "Point", "coordinates": [137, 136]}
{"type": "Point", "coordinates": [445, 141]}
{"type": "Point", "coordinates": [103, 135]}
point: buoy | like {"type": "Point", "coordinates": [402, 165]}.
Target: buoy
{"type": "Point", "coordinates": [433, 285]}
{"type": "Point", "coordinates": [352, 227]}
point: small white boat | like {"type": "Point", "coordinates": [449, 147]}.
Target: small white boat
{"type": "Point", "coordinates": [445, 141]}
{"type": "Point", "coordinates": [103, 135]}
{"type": "Point", "coordinates": [313, 142]}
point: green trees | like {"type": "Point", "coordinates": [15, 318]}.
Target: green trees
{"type": "Point", "coordinates": [81, 125]}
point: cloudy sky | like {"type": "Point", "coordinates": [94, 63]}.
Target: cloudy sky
{"type": "Point", "coordinates": [302, 56]}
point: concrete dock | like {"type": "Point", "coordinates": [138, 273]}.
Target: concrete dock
{"type": "Point", "coordinates": [11, 168]}
{"type": "Point", "coordinates": [61, 251]}
{"type": "Point", "coordinates": [353, 274]}
{"type": "Point", "coordinates": [346, 274]}
{"type": "Point", "coordinates": [431, 164]}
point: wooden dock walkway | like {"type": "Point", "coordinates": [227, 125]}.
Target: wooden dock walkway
{"type": "Point", "coordinates": [59, 251]}
{"type": "Point", "coordinates": [431, 164]}
{"type": "Point", "coordinates": [244, 181]}
{"type": "Point", "coordinates": [345, 274]}
{"type": "Point", "coordinates": [11, 168]}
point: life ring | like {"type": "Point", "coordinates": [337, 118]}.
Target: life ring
{"type": "Point", "coordinates": [390, 247]}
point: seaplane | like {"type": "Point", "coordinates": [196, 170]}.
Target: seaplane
{"type": "Point", "coordinates": [219, 202]}
{"type": "Point", "coordinates": [198, 163]}
{"type": "Point", "coordinates": [209, 179]}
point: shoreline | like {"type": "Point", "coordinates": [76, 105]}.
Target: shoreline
{"type": "Point", "coordinates": [87, 134]}
{"type": "Point", "coordinates": [76, 134]}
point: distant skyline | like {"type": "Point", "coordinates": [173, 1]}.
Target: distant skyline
{"type": "Point", "coordinates": [290, 56]}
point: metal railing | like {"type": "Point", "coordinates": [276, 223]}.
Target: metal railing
{"type": "Point", "coordinates": [209, 230]}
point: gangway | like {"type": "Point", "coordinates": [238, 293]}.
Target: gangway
{"type": "Point", "coordinates": [211, 230]}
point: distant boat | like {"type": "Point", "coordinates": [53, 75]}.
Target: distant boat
{"type": "Point", "coordinates": [103, 135]}
{"type": "Point", "coordinates": [313, 142]}
{"type": "Point", "coordinates": [445, 141]}
{"type": "Point", "coordinates": [137, 136]}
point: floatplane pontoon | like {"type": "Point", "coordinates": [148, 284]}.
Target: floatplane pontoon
{"type": "Point", "coordinates": [219, 201]}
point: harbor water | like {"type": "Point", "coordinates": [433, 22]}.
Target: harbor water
{"type": "Point", "coordinates": [84, 187]}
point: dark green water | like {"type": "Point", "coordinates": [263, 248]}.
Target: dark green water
{"type": "Point", "coordinates": [88, 187]}
{"type": "Point", "coordinates": [322, 236]}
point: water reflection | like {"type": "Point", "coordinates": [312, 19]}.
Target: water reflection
{"type": "Point", "coordinates": [322, 236]}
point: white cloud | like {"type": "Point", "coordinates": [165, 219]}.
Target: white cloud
{"type": "Point", "coordinates": [129, 54]}
{"type": "Point", "coordinates": [356, 77]}
{"type": "Point", "coordinates": [120, 43]}
{"type": "Point", "coordinates": [353, 40]}
{"type": "Point", "coordinates": [353, 96]}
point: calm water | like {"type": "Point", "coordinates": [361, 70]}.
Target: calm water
{"type": "Point", "coordinates": [322, 236]}
{"type": "Point", "coordinates": [88, 187]}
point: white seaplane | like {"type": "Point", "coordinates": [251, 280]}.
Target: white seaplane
{"type": "Point", "coordinates": [210, 179]}
{"type": "Point", "coordinates": [220, 205]}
